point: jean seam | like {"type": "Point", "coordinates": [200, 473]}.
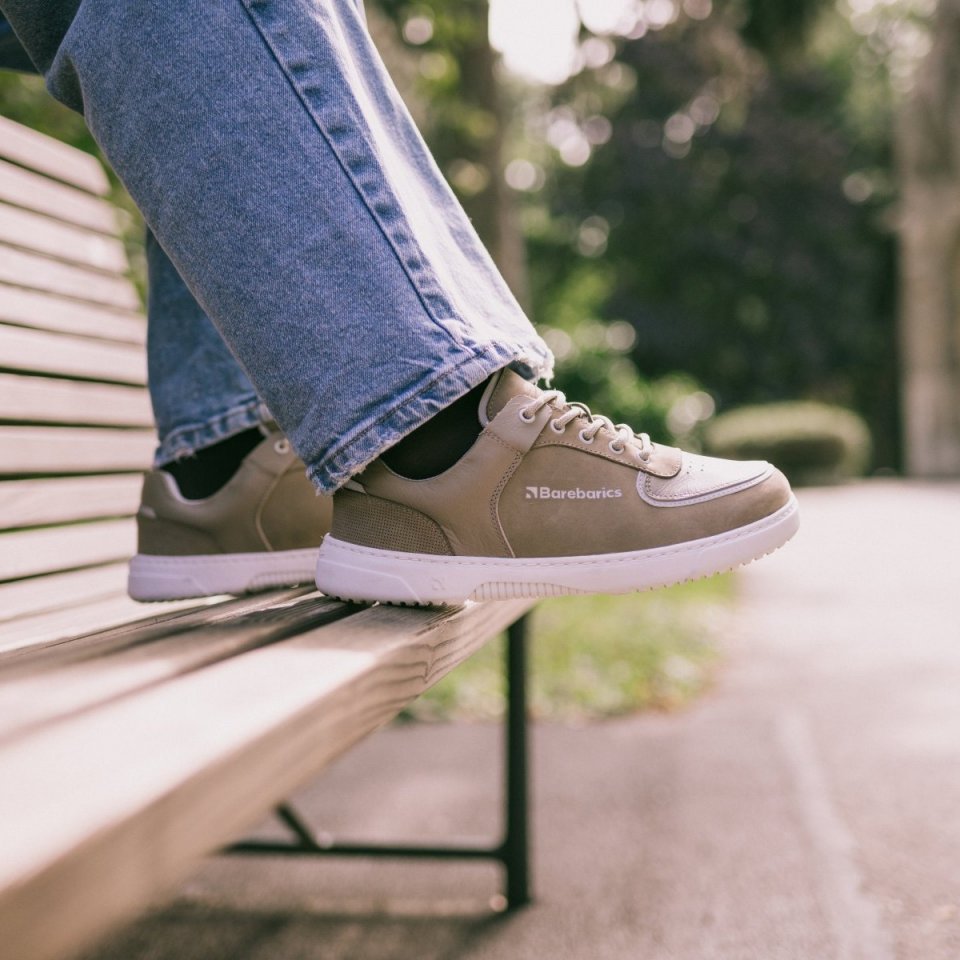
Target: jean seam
{"type": "Point", "coordinates": [370, 203]}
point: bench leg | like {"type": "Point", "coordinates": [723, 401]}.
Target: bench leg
{"type": "Point", "coordinates": [516, 842]}
{"type": "Point", "coordinates": [513, 851]}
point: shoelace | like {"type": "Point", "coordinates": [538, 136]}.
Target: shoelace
{"type": "Point", "coordinates": [624, 434]}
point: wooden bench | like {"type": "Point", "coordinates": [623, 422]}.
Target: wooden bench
{"type": "Point", "coordinates": [136, 739]}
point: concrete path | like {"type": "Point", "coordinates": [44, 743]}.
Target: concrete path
{"type": "Point", "coordinates": [807, 807]}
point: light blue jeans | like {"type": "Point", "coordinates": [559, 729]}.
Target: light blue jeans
{"type": "Point", "coordinates": [295, 214]}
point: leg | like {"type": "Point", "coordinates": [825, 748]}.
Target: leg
{"type": "Point", "coordinates": [231, 509]}
{"type": "Point", "coordinates": [217, 517]}
{"type": "Point", "coordinates": [287, 183]}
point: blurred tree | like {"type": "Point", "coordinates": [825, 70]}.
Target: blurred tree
{"type": "Point", "coordinates": [736, 211]}
{"type": "Point", "coordinates": [704, 201]}
{"type": "Point", "coordinates": [778, 27]}
{"type": "Point", "coordinates": [928, 141]}
{"type": "Point", "coordinates": [473, 116]}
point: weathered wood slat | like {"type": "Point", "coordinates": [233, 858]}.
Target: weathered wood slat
{"type": "Point", "coordinates": [32, 308]}
{"type": "Point", "coordinates": [45, 400]}
{"type": "Point", "coordinates": [32, 231]}
{"type": "Point", "coordinates": [59, 591]}
{"type": "Point", "coordinates": [163, 773]}
{"type": "Point", "coordinates": [46, 155]}
{"type": "Point", "coordinates": [58, 645]}
{"type": "Point", "coordinates": [23, 188]}
{"type": "Point", "coordinates": [28, 635]}
{"type": "Point", "coordinates": [34, 503]}
{"type": "Point", "coordinates": [73, 450]}
{"type": "Point", "coordinates": [39, 351]}
{"type": "Point", "coordinates": [46, 695]}
{"type": "Point", "coordinates": [52, 549]}
{"type": "Point", "coordinates": [41, 273]}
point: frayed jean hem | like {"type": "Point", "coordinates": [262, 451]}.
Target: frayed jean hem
{"type": "Point", "coordinates": [187, 440]}
{"type": "Point", "coordinates": [416, 407]}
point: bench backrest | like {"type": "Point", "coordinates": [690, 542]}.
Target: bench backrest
{"type": "Point", "coordinates": [75, 423]}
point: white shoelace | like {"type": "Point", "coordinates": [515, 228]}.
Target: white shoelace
{"type": "Point", "coordinates": [624, 435]}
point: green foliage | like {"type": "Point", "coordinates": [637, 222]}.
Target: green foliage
{"type": "Point", "coordinates": [24, 98]}
{"type": "Point", "coordinates": [597, 657]}
{"type": "Point", "coordinates": [810, 442]}
{"type": "Point", "coordinates": [779, 27]}
{"type": "Point", "coordinates": [737, 215]}
{"type": "Point", "coordinates": [595, 362]}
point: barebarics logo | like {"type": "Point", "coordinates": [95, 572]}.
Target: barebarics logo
{"type": "Point", "coordinates": [578, 493]}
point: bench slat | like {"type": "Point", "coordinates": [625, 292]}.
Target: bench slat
{"type": "Point", "coordinates": [39, 351]}
{"type": "Point", "coordinates": [21, 228]}
{"type": "Point", "coordinates": [32, 308]}
{"type": "Point", "coordinates": [56, 591]}
{"type": "Point", "coordinates": [40, 273]}
{"type": "Point", "coordinates": [47, 695]}
{"type": "Point", "coordinates": [34, 503]}
{"type": "Point", "coordinates": [45, 400]}
{"type": "Point", "coordinates": [164, 773]}
{"type": "Point", "coordinates": [23, 188]}
{"type": "Point", "coordinates": [55, 628]}
{"type": "Point", "coordinates": [52, 549]}
{"type": "Point", "coordinates": [74, 450]}
{"type": "Point", "coordinates": [49, 156]}
{"type": "Point", "coordinates": [62, 646]}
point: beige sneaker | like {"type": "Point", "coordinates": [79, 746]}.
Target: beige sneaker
{"type": "Point", "coordinates": [262, 529]}
{"type": "Point", "coordinates": [550, 500]}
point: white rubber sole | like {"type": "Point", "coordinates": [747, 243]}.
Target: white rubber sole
{"type": "Point", "coordinates": [183, 578]}
{"type": "Point", "coordinates": [365, 574]}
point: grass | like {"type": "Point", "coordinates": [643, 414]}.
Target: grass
{"type": "Point", "coordinates": [595, 657]}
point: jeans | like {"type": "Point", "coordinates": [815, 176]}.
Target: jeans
{"type": "Point", "coordinates": [295, 214]}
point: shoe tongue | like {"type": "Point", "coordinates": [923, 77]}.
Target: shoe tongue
{"type": "Point", "coordinates": [501, 389]}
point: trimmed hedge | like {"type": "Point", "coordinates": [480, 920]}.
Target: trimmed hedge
{"type": "Point", "coordinates": [810, 442]}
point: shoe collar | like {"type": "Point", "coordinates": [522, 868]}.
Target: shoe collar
{"type": "Point", "coordinates": [502, 387]}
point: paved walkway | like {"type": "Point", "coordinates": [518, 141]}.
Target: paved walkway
{"type": "Point", "coordinates": [807, 807]}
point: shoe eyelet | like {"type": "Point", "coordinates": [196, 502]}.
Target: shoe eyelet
{"type": "Point", "coordinates": [282, 446]}
{"type": "Point", "coordinates": [616, 447]}
{"type": "Point", "coordinates": [557, 427]}
{"type": "Point", "coordinates": [584, 439]}
{"type": "Point", "coordinates": [523, 416]}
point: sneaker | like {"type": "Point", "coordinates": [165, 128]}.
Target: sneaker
{"type": "Point", "coordinates": [550, 500]}
{"type": "Point", "coordinates": [262, 529]}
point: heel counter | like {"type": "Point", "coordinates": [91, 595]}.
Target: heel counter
{"type": "Point", "coordinates": [157, 534]}
{"type": "Point", "coordinates": [165, 538]}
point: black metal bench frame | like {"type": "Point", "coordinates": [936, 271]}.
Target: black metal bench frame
{"type": "Point", "coordinates": [513, 850]}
